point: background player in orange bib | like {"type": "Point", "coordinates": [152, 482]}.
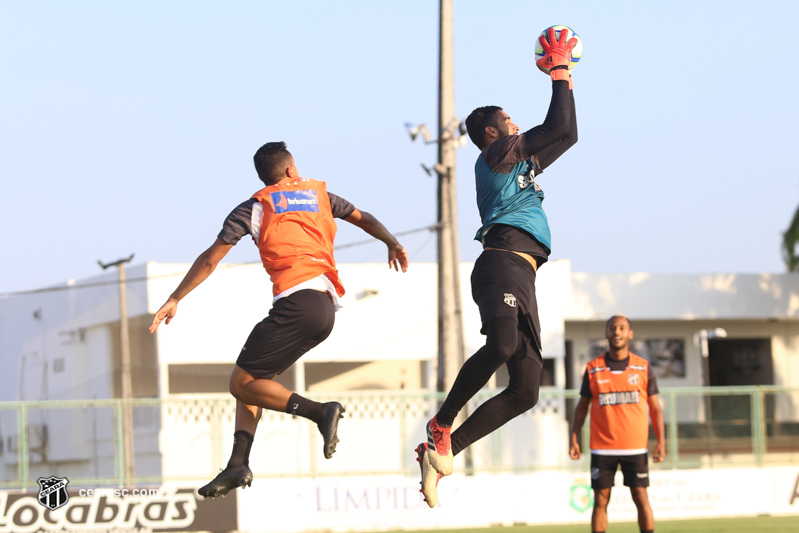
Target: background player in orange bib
{"type": "Point", "coordinates": [617, 388]}
{"type": "Point", "coordinates": [291, 220]}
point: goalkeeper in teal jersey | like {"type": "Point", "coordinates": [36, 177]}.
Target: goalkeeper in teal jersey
{"type": "Point", "coordinates": [516, 242]}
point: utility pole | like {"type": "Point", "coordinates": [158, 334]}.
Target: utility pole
{"type": "Point", "coordinates": [450, 312]}
{"type": "Point", "coordinates": [124, 350]}
{"type": "Point", "coordinates": [451, 134]}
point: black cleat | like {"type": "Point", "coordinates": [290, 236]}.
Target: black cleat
{"type": "Point", "coordinates": [328, 425]}
{"type": "Point", "coordinates": [227, 480]}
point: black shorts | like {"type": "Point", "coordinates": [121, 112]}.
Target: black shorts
{"type": "Point", "coordinates": [503, 286]}
{"type": "Point", "coordinates": [635, 469]}
{"type": "Point", "coordinates": [296, 323]}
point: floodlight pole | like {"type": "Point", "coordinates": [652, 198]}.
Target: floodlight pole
{"type": "Point", "coordinates": [450, 319]}
{"type": "Point", "coordinates": [127, 382]}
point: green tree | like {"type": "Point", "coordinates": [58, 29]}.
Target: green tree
{"type": "Point", "coordinates": [789, 241]}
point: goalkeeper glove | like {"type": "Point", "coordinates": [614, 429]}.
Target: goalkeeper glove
{"type": "Point", "coordinates": [557, 54]}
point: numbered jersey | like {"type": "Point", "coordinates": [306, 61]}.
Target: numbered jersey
{"type": "Point", "coordinates": [619, 409]}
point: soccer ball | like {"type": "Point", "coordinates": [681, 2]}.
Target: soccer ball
{"type": "Point", "coordinates": [577, 52]}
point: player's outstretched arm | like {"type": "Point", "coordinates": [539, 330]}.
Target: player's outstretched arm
{"type": "Point", "coordinates": [656, 413]}
{"type": "Point", "coordinates": [551, 152]}
{"type": "Point", "coordinates": [580, 412]}
{"type": "Point", "coordinates": [550, 139]}
{"type": "Point", "coordinates": [199, 271]}
{"type": "Point", "coordinates": [397, 256]}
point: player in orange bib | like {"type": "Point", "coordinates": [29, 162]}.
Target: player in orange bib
{"type": "Point", "coordinates": [292, 221]}
{"type": "Point", "coordinates": [617, 388]}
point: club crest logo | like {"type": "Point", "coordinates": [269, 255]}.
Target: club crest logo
{"type": "Point", "coordinates": [53, 492]}
{"type": "Point", "coordinates": [526, 179]}
{"type": "Point", "coordinates": [581, 497]}
{"type": "Point", "coordinates": [510, 299]}
{"type": "Point", "coordinates": [633, 379]}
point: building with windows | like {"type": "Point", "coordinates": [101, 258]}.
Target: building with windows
{"type": "Point", "coordinates": [64, 341]}
{"type": "Point", "coordinates": [60, 349]}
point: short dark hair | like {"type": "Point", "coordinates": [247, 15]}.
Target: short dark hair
{"type": "Point", "coordinates": [271, 161]}
{"type": "Point", "coordinates": [619, 315]}
{"type": "Point", "coordinates": [479, 120]}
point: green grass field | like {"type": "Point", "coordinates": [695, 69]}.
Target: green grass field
{"type": "Point", "coordinates": [759, 524]}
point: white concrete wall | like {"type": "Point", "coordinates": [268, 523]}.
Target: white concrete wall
{"type": "Point", "coordinates": [387, 315]}
{"type": "Point", "coordinates": [197, 438]}
{"type": "Point", "coordinates": [685, 296]}
{"type": "Point", "coordinates": [539, 498]}
{"type": "Point", "coordinates": [399, 322]}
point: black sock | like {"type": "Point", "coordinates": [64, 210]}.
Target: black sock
{"type": "Point", "coordinates": [647, 531]}
{"type": "Point", "coordinates": [242, 442]}
{"type": "Point", "coordinates": [299, 406]}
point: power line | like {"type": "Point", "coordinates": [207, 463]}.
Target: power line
{"type": "Point", "coordinates": [432, 227]}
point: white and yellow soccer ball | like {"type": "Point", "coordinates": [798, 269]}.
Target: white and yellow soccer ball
{"type": "Point", "coordinates": [577, 52]}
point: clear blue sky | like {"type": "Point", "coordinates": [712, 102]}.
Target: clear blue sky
{"type": "Point", "coordinates": [129, 127]}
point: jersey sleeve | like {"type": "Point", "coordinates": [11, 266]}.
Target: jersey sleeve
{"type": "Point", "coordinates": [341, 208]}
{"type": "Point", "coordinates": [238, 223]}
{"type": "Point", "coordinates": [585, 389]}
{"type": "Point", "coordinates": [505, 153]}
{"type": "Point", "coordinates": [547, 154]}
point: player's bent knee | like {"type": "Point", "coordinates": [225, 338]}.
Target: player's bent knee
{"type": "Point", "coordinates": [526, 398]}
{"type": "Point", "coordinates": [238, 379]}
{"type": "Point", "coordinates": [502, 339]}
{"type": "Point", "coordinates": [235, 390]}
{"type": "Point", "coordinates": [501, 349]}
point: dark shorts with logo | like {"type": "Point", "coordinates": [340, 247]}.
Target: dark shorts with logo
{"type": "Point", "coordinates": [635, 469]}
{"type": "Point", "coordinates": [296, 323]}
{"type": "Point", "coordinates": [503, 285]}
